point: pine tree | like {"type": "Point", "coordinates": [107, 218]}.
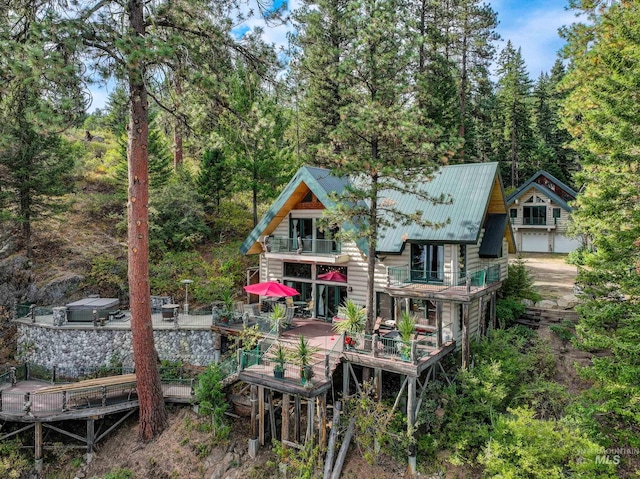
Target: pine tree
{"type": "Point", "coordinates": [381, 136]}
{"type": "Point", "coordinates": [602, 113]}
{"type": "Point", "coordinates": [214, 177]}
{"type": "Point", "coordinates": [515, 135]}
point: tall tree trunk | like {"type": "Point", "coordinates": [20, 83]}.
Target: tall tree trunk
{"type": "Point", "coordinates": [371, 255]}
{"type": "Point", "coordinates": [153, 417]}
{"type": "Point", "coordinates": [177, 133]}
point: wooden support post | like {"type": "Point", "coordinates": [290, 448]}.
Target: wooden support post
{"type": "Point", "coordinates": [37, 441]}
{"type": "Point", "coordinates": [322, 423]}
{"type": "Point", "coordinates": [90, 438]}
{"type": "Point", "coordinates": [254, 412]}
{"type": "Point", "coordinates": [261, 418]}
{"type": "Point", "coordinates": [439, 341]}
{"type": "Point", "coordinates": [345, 379]}
{"type": "Point", "coordinates": [272, 417]}
{"type": "Point", "coordinates": [377, 373]}
{"type": "Point", "coordinates": [285, 417]}
{"type": "Point", "coordinates": [411, 416]}
{"type": "Point", "coordinates": [333, 437]}
{"type": "Point", "coordinates": [342, 454]}
{"type": "Point", "coordinates": [296, 419]}
{"type": "Point", "coordinates": [481, 321]}
{"type": "Point", "coordinates": [311, 409]}
{"type": "Point", "coordinates": [465, 336]}
{"type": "Point", "coordinates": [492, 310]}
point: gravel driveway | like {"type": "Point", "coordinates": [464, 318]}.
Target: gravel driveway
{"type": "Point", "coordinates": [553, 277]}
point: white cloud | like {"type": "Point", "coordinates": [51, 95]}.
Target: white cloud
{"type": "Point", "coordinates": [537, 34]}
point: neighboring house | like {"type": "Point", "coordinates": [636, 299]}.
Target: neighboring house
{"type": "Point", "coordinates": [539, 212]}
{"type": "Point", "coordinates": [444, 276]}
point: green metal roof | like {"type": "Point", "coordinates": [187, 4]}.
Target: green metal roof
{"type": "Point", "coordinates": [469, 189]}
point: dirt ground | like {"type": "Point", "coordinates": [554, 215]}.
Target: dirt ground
{"type": "Point", "coordinates": [553, 277]}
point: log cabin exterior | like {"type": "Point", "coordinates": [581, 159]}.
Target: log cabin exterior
{"type": "Point", "coordinates": [445, 277]}
{"type": "Point", "coordinates": [447, 274]}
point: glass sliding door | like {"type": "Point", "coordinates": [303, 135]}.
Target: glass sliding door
{"type": "Point", "coordinates": [427, 262]}
{"type": "Point", "coordinates": [328, 300]}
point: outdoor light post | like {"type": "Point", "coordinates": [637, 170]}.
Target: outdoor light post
{"type": "Point", "coordinates": [186, 283]}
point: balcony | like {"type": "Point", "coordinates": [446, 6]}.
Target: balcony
{"type": "Point", "coordinates": [406, 280]}
{"type": "Point", "coordinates": [325, 250]}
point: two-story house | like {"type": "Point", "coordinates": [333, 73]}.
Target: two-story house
{"type": "Point", "coordinates": [444, 276]}
{"type": "Point", "coordinates": [539, 213]}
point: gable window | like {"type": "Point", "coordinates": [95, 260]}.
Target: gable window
{"type": "Point", "coordinates": [301, 233]}
{"type": "Point", "coordinates": [427, 262]}
{"type": "Point", "coordinates": [556, 215]}
{"type": "Point", "coordinates": [462, 261]}
{"type": "Point", "coordinates": [534, 215]}
{"type": "Point", "coordinates": [513, 214]}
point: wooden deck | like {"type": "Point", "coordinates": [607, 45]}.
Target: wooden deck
{"type": "Point", "coordinates": [441, 292]}
{"type": "Point", "coordinates": [39, 401]}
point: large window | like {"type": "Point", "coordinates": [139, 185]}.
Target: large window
{"type": "Point", "coordinates": [534, 215]}
{"type": "Point", "coordinates": [301, 231]}
{"type": "Point", "coordinates": [427, 262]}
{"type": "Point", "coordinates": [297, 270]}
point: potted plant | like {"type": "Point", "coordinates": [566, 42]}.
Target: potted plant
{"type": "Point", "coordinates": [302, 355]}
{"type": "Point", "coordinates": [406, 329]}
{"type": "Point", "coordinates": [249, 337]}
{"type": "Point", "coordinates": [228, 302]}
{"type": "Point", "coordinates": [278, 316]}
{"type": "Point", "coordinates": [280, 357]}
{"type": "Point", "coordinates": [352, 320]}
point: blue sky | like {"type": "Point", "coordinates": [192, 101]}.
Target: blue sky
{"type": "Point", "coordinates": [531, 25]}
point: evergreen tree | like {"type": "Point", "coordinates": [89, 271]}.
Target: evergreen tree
{"type": "Point", "coordinates": [381, 137]}
{"type": "Point", "coordinates": [602, 113]}
{"type": "Point", "coordinates": [214, 177]}
{"type": "Point", "coordinates": [139, 43]}
{"type": "Point", "coordinates": [254, 128]}
{"type": "Point", "coordinates": [515, 135]}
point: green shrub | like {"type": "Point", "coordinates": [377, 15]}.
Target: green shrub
{"type": "Point", "coordinates": [108, 276]}
{"type": "Point", "coordinates": [213, 402]}
{"type": "Point", "coordinates": [521, 446]}
{"type": "Point", "coordinates": [508, 310]}
{"type": "Point", "coordinates": [120, 474]}
{"type": "Point", "coordinates": [13, 464]}
{"type": "Point", "coordinates": [547, 398]}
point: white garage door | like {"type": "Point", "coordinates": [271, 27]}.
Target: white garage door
{"type": "Point", "coordinates": [535, 242]}
{"type": "Point", "coordinates": [564, 244]}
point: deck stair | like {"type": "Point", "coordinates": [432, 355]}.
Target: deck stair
{"type": "Point", "coordinates": [536, 317]}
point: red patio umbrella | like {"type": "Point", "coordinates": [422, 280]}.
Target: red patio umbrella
{"type": "Point", "coordinates": [271, 288]}
{"type": "Point", "coordinates": [333, 276]}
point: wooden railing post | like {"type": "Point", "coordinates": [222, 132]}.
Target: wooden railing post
{"type": "Point", "coordinates": [64, 401]}
{"type": "Point", "coordinates": [414, 358]}
{"type": "Point", "coordinates": [468, 283]}
{"type": "Point", "coordinates": [326, 366]}
{"type": "Point", "coordinates": [374, 345]}
{"type": "Point", "coordinates": [104, 396]}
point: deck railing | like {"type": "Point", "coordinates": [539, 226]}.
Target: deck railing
{"type": "Point", "coordinates": [438, 280]}
{"type": "Point", "coordinates": [279, 244]}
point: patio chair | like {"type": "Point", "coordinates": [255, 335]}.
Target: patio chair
{"type": "Point", "coordinates": [288, 320]}
{"type": "Point", "coordinates": [308, 311]}
{"type": "Point", "coordinates": [289, 301]}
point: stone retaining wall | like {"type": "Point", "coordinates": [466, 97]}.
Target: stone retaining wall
{"type": "Point", "coordinates": [74, 349]}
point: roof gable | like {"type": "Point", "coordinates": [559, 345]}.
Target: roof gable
{"type": "Point", "coordinates": [548, 185]}
{"type": "Point", "coordinates": [318, 180]}
{"type": "Point", "coordinates": [472, 190]}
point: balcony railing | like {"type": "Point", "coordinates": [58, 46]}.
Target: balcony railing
{"type": "Point", "coordinates": [402, 275]}
{"type": "Point", "coordinates": [279, 244]}
{"type": "Point", "coordinates": [534, 221]}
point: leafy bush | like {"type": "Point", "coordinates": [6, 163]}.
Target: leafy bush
{"type": "Point", "coordinates": [176, 218]}
{"type": "Point", "coordinates": [109, 276]}
{"type": "Point", "coordinates": [213, 402]}
{"type": "Point", "coordinates": [546, 398]}
{"type": "Point", "coordinates": [578, 256]}
{"type": "Point", "coordinates": [521, 446]}
{"type": "Point", "coordinates": [13, 464]}
{"type": "Point", "coordinates": [508, 310]}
